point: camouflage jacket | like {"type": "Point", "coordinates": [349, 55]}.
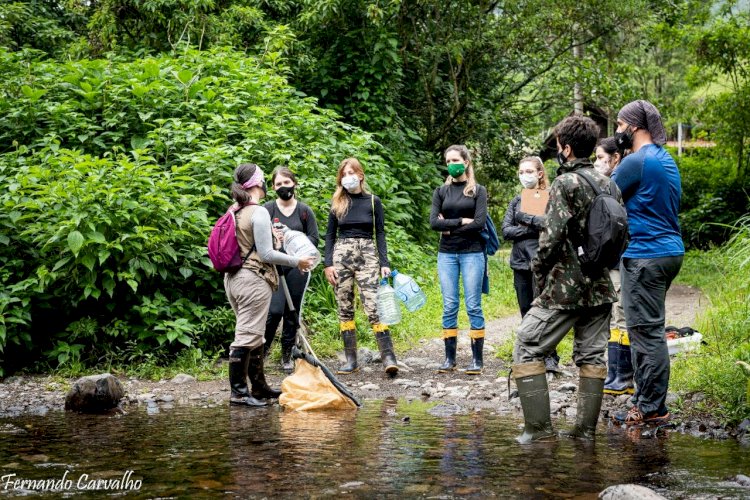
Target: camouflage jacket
{"type": "Point", "coordinates": [556, 268]}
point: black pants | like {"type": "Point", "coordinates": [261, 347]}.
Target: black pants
{"type": "Point", "coordinates": [297, 282]}
{"type": "Point", "coordinates": [644, 290]}
{"type": "Point", "coordinates": [523, 282]}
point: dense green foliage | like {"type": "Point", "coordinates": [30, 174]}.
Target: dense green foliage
{"type": "Point", "coordinates": [112, 176]}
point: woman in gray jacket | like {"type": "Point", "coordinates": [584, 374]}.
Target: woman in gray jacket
{"type": "Point", "coordinates": [523, 230]}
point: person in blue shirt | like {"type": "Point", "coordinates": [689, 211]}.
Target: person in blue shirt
{"type": "Point", "coordinates": [651, 188]}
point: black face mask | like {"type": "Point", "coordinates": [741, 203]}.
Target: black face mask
{"type": "Point", "coordinates": [285, 192]}
{"type": "Point", "coordinates": [624, 140]}
{"type": "Point", "coordinates": [561, 158]}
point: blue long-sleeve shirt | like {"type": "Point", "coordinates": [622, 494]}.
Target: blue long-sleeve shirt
{"type": "Point", "coordinates": [651, 188]}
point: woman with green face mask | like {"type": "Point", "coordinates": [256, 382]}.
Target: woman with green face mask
{"type": "Point", "coordinates": [459, 212]}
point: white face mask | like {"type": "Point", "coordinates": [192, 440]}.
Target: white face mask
{"type": "Point", "coordinates": [529, 181]}
{"type": "Point", "coordinates": [350, 182]}
{"type": "Point", "coordinates": [603, 167]}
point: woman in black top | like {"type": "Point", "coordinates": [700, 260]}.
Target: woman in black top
{"type": "Point", "coordinates": [523, 230]}
{"type": "Point", "coordinates": [355, 221]}
{"type": "Point", "coordinates": [297, 216]}
{"type": "Point", "coordinates": [459, 212]}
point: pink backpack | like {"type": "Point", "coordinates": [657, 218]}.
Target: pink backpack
{"type": "Point", "coordinates": [223, 248]}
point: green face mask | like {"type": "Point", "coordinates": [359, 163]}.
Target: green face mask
{"type": "Point", "coordinates": [456, 169]}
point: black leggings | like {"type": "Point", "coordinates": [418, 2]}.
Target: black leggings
{"type": "Point", "coordinates": [297, 282]}
{"type": "Point", "coordinates": [523, 282]}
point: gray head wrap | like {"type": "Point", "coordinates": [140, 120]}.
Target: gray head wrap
{"type": "Point", "coordinates": [643, 114]}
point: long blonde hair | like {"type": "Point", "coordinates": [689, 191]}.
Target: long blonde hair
{"type": "Point", "coordinates": [341, 200]}
{"type": "Point", "coordinates": [470, 189]}
{"type": "Point", "coordinates": [539, 164]}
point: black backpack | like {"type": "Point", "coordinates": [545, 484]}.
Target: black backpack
{"type": "Point", "coordinates": [607, 233]}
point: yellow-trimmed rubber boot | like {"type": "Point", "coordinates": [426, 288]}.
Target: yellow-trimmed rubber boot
{"type": "Point", "coordinates": [349, 336]}
{"type": "Point", "coordinates": [450, 337]}
{"type": "Point", "coordinates": [385, 345]}
{"type": "Point", "coordinates": [477, 352]}
{"type": "Point", "coordinates": [623, 382]}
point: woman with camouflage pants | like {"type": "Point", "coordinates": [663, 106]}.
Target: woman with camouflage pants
{"type": "Point", "coordinates": [356, 252]}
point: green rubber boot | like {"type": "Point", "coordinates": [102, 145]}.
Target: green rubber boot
{"type": "Point", "coordinates": [531, 380]}
{"type": "Point", "coordinates": [590, 393]}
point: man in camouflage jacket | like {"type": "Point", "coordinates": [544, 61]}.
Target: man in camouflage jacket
{"type": "Point", "coordinates": [569, 299]}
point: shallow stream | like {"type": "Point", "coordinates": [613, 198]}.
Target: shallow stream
{"type": "Point", "coordinates": [388, 448]}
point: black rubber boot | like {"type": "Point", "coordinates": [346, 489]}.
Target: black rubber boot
{"type": "Point", "coordinates": [287, 364]}
{"type": "Point", "coordinates": [450, 355]}
{"type": "Point", "coordinates": [623, 382]}
{"type": "Point", "coordinates": [589, 402]}
{"type": "Point", "coordinates": [612, 357]}
{"type": "Point", "coordinates": [350, 351]}
{"type": "Point", "coordinates": [387, 355]}
{"type": "Point", "coordinates": [260, 388]}
{"type": "Point", "coordinates": [239, 358]}
{"type": "Point", "coordinates": [531, 380]}
{"type": "Point", "coordinates": [477, 360]}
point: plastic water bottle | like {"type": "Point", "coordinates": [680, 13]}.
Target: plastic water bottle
{"type": "Point", "coordinates": [388, 308]}
{"type": "Point", "coordinates": [297, 244]}
{"type": "Point", "coordinates": [408, 291]}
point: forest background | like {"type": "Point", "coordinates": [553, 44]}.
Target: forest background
{"type": "Point", "coordinates": [122, 121]}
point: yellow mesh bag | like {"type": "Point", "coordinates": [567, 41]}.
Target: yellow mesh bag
{"type": "Point", "coordinates": [308, 388]}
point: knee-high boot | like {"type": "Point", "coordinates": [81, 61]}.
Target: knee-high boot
{"type": "Point", "coordinates": [612, 357]}
{"type": "Point", "coordinates": [623, 382]}
{"type": "Point", "coordinates": [385, 344]}
{"type": "Point", "coordinates": [451, 340]}
{"type": "Point", "coordinates": [590, 385]}
{"type": "Point", "coordinates": [349, 335]}
{"type": "Point", "coordinates": [477, 352]}
{"type": "Point", "coordinates": [239, 358]}
{"type": "Point", "coordinates": [260, 388]}
{"type": "Point", "coordinates": [531, 380]}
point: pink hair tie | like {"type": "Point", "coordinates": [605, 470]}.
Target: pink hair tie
{"type": "Point", "coordinates": [255, 180]}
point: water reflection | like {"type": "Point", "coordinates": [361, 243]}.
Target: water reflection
{"type": "Point", "coordinates": [372, 452]}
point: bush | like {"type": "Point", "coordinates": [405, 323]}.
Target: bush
{"type": "Point", "coordinates": [713, 197]}
{"type": "Point", "coordinates": [112, 174]}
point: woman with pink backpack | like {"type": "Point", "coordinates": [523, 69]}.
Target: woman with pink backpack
{"type": "Point", "coordinates": [250, 288]}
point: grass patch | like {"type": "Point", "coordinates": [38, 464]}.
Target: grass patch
{"type": "Point", "coordinates": [725, 325]}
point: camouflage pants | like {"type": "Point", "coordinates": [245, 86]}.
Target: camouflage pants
{"type": "Point", "coordinates": [356, 260]}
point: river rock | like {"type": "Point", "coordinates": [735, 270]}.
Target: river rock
{"type": "Point", "coordinates": [671, 399]}
{"type": "Point", "coordinates": [446, 410]}
{"type": "Point", "coordinates": [370, 387]}
{"type": "Point", "coordinates": [407, 383]}
{"type": "Point", "coordinates": [365, 355]}
{"type": "Point", "coordinates": [94, 394]}
{"type": "Point", "coordinates": [183, 378]}
{"type": "Point", "coordinates": [567, 387]}
{"type": "Point", "coordinates": [742, 480]}
{"type": "Point", "coordinates": [629, 492]}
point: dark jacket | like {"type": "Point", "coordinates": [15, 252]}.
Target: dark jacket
{"type": "Point", "coordinates": [556, 266]}
{"type": "Point", "coordinates": [523, 230]}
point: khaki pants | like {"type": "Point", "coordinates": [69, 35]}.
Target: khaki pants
{"type": "Point", "coordinates": [542, 329]}
{"type": "Point", "coordinates": [250, 297]}
{"type": "Point", "coordinates": [618, 315]}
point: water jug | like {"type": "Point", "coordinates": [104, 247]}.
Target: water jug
{"type": "Point", "coordinates": [388, 308]}
{"type": "Point", "coordinates": [408, 291]}
{"type": "Point", "coordinates": [297, 244]}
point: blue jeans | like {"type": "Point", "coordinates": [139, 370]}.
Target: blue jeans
{"type": "Point", "coordinates": [471, 268]}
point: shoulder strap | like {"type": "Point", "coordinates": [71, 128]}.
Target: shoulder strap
{"type": "Point", "coordinates": [303, 215]}
{"type": "Point", "coordinates": [372, 201]}
{"type": "Point", "coordinates": [234, 216]}
{"type": "Point", "coordinates": [590, 182]}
